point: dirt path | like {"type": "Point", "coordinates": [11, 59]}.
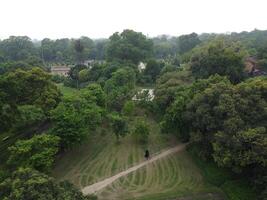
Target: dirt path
{"type": "Point", "coordinates": [94, 188]}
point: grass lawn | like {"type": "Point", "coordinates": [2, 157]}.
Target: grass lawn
{"type": "Point", "coordinates": [101, 157]}
{"type": "Point", "coordinates": [68, 91]}
{"type": "Point", "coordinates": [235, 188]}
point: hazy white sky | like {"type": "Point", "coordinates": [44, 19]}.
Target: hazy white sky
{"type": "Point", "coordinates": [100, 18]}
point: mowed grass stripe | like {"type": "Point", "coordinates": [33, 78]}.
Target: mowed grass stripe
{"type": "Point", "coordinates": [172, 175]}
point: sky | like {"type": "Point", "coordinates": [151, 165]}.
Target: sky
{"type": "Point", "coordinates": [54, 19]}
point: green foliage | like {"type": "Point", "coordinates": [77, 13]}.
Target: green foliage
{"type": "Point", "coordinates": [74, 71]}
{"type": "Point", "coordinates": [227, 121]}
{"type": "Point", "coordinates": [38, 152]}
{"type": "Point", "coordinates": [176, 118]}
{"type": "Point", "coordinates": [219, 57]}
{"type": "Point", "coordinates": [93, 93]}
{"type": "Point", "coordinates": [119, 87]}
{"type": "Point", "coordinates": [152, 70]}
{"type": "Point", "coordinates": [29, 115]}
{"type": "Point", "coordinates": [72, 119]}
{"type": "Point", "coordinates": [129, 45]}
{"type": "Point", "coordinates": [119, 125]}
{"type": "Point", "coordinates": [17, 48]}
{"type": "Point", "coordinates": [187, 42]}
{"type": "Point", "coordinates": [168, 68]}
{"type": "Point", "coordinates": [239, 190]}
{"type": "Point", "coordinates": [141, 131]}
{"type": "Point", "coordinates": [19, 88]}
{"type": "Point", "coordinates": [128, 108]}
{"type": "Point", "coordinates": [212, 173]}
{"type": "Point", "coordinates": [26, 183]}
{"type": "Point", "coordinates": [83, 75]}
{"type": "Point", "coordinates": [65, 50]}
{"type": "Point", "coordinates": [250, 148]}
{"type": "Point", "coordinates": [167, 86]}
{"type": "Point", "coordinates": [57, 78]}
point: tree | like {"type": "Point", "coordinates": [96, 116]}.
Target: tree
{"type": "Point", "coordinates": [30, 115]}
{"type": "Point", "coordinates": [32, 87]}
{"type": "Point", "coordinates": [167, 85]}
{"type": "Point", "coordinates": [152, 69]}
{"type": "Point", "coordinates": [245, 148]}
{"type": "Point", "coordinates": [93, 93]}
{"type": "Point", "coordinates": [119, 125]}
{"type": "Point", "coordinates": [79, 49]}
{"type": "Point", "coordinates": [219, 57]}
{"type": "Point", "coordinates": [141, 131]}
{"type": "Point", "coordinates": [73, 119]}
{"type": "Point", "coordinates": [20, 88]}
{"type": "Point", "coordinates": [83, 75]}
{"type": "Point", "coordinates": [128, 108]}
{"type": "Point", "coordinates": [17, 48]}
{"type": "Point", "coordinates": [187, 42]}
{"type": "Point", "coordinates": [119, 87]}
{"type": "Point", "coordinates": [38, 152]}
{"type": "Point", "coordinates": [26, 183]}
{"type": "Point", "coordinates": [176, 119]}
{"type": "Point", "coordinates": [129, 45]}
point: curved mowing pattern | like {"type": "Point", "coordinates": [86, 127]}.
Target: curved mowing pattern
{"type": "Point", "coordinates": [172, 176]}
{"type": "Point", "coordinates": [102, 157]}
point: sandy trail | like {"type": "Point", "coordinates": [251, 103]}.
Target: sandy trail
{"type": "Point", "coordinates": [94, 188]}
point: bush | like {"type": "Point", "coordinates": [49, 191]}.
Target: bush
{"type": "Point", "coordinates": [141, 131]}
{"type": "Point", "coordinates": [58, 79]}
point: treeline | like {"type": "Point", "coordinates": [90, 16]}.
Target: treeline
{"type": "Point", "coordinates": [221, 110]}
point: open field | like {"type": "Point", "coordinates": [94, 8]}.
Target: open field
{"type": "Point", "coordinates": [102, 156]}
{"type": "Point", "coordinates": [168, 178]}
{"type": "Point", "coordinates": [67, 91]}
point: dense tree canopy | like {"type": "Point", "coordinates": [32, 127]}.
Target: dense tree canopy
{"type": "Point", "coordinates": [19, 88]}
{"type": "Point", "coordinates": [167, 86]}
{"type": "Point", "coordinates": [120, 87]}
{"type": "Point", "coordinates": [227, 122]}
{"type": "Point", "coordinates": [129, 45]}
{"type": "Point", "coordinates": [73, 118]}
{"type": "Point", "coordinates": [37, 153]}
{"type": "Point", "coordinates": [141, 131]}
{"type": "Point", "coordinates": [219, 57]}
{"type": "Point", "coordinates": [187, 42]}
{"type": "Point", "coordinates": [25, 184]}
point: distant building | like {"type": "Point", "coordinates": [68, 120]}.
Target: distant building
{"type": "Point", "coordinates": [60, 70]}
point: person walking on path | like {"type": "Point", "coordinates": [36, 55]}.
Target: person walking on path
{"type": "Point", "coordinates": [147, 156]}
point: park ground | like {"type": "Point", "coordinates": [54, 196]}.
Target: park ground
{"type": "Point", "coordinates": [180, 176]}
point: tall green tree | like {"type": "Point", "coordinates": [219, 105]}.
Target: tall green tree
{"type": "Point", "coordinates": [187, 42]}
{"type": "Point", "coordinates": [37, 153]}
{"type": "Point", "coordinates": [73, 119]}
{"type": "Point", "coordinates": [26, 183]}
{"type": "Point", "coordinates": [219, 57]}
{"type": "Point", "coordinates": [119, 125]}
{"type": "Point", "coordinates": [152, 70]}
{"type": "Point", "coordinates": [130, 46]}
{"type": "Point", "coordinates": [119, 87]}
{"type": "Point", "coordinates": [141, 131]}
